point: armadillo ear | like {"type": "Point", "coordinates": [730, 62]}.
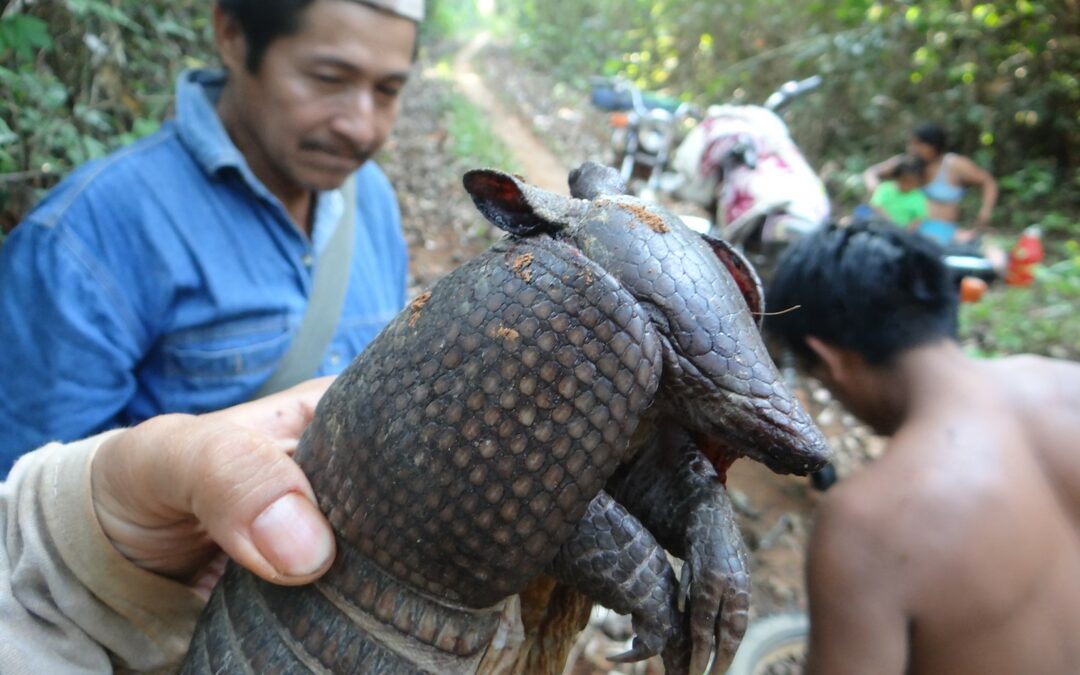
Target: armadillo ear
{"type": "Point", "coordinates": [516, 207]}
{"type": "Point", "coordinates": [746, 277]}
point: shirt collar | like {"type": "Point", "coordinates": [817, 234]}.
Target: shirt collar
{"type": "Point", "coordinates": [200, 128]}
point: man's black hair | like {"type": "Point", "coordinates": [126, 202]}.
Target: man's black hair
{"type": "Point", "coordinates": [932, 134]}
{"type": "Point", "coordinates": [263, 21]}
{"type": "Point", "coordinates": [875, 289]}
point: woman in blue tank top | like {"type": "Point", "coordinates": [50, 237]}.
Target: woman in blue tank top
{"type": "Point", "coordinates": [946, 177]}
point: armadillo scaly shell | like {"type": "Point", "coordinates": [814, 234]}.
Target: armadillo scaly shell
{"type": "Point", "coordinates": [554, 414]}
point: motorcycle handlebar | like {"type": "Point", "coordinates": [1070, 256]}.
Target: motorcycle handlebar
{"type": "Point", "coordinates": [791, 90]}
{"type": "Point", "coordinates": [643, 107]}
{"type": "Point", "coordinates": [786, 93]}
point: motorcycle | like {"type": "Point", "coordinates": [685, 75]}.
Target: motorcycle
{"type": "Point", "coordinates": [645, 128]}
{"type": "Point", "coordinates": [737, 162]}
{"type": "Point", "coordinates": [742, 165]}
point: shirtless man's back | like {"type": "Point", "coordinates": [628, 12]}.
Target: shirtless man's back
{"type": "Point", "coordinates": [959, 550]}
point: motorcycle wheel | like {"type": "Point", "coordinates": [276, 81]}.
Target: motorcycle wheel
{"type": "Point", "coordinates": [775, 645]}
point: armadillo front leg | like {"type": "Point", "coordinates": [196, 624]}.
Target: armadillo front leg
{"type": "Point", "coordinates": [675, 491]}
{"type": "Point", "coordinates": [618, 563]}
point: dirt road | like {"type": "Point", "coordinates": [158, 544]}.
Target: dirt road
{"type": "Point", "coordinates": [537, 163]}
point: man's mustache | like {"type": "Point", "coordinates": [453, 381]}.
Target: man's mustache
{"type": "Point", "coordinates": [344, 150]}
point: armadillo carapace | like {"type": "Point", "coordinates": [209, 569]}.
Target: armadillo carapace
{"type": "Point", "coordinates": [563, 406]}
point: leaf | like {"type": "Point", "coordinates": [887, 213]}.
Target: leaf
{"type": "Point", "coordinates": [102, 10]}
{"type": "Point", "coordinates": [7, 163]}
{"type": "Point", "coordinates": [144, 127]}
{"type": "Point", "coordinates": [6, 134]}
{"type": "Point", "coordinates": [24, 34]}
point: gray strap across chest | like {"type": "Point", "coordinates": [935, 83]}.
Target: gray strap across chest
{"type": "Point", "coordinates": [323, 311]}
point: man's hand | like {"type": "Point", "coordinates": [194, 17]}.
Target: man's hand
{"type": "Point", "coordinates": [175, 491]}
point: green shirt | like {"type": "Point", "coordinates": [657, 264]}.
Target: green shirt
{"type": "Point", "coordinates": [903, 208]}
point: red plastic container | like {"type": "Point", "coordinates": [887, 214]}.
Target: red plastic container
{"type": "Point", "coordinates": [1025, 255]}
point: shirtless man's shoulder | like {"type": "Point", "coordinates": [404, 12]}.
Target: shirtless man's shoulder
{"type": "Point", "coordinates": [1039, 385]}
{"type": "Point", "coordinates": [963, 473]}
{"type": "Point", "coordinates": [960, 524]}
{"type": "Point", "coordinates": [1045, 394]}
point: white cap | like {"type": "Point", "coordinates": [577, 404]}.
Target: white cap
{"type": "Point", "coordinates": [410, 9]}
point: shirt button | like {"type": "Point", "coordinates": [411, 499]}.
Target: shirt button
{"type": "Point", "coordinates": [307, 260]}
{"type": "Point", "coordinates": [335, 358]}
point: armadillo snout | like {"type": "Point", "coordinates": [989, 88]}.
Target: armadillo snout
{"type": "Point", "coordinates": [784, 438]}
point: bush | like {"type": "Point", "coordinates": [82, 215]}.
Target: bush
{"type": "Point", "coordinates": [79, 78]}
{"type": "Point", "coordinates": [1041, 319]}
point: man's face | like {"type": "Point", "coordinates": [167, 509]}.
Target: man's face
{"type": "Point", "coordinates": [861, 389]}
{"type": "Point", "coordinates": [324, 99]}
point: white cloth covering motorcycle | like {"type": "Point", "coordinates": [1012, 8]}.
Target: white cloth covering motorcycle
{"type": "Point", "coordinates": [779, 180]}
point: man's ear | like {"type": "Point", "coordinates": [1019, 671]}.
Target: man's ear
{"type": "Point", "coordinates": [837, 361]}
{"type": "Point", "coordinates": [229, 40]}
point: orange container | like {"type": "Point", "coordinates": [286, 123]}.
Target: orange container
{"type": "Point", "coordinates": [972, 289]}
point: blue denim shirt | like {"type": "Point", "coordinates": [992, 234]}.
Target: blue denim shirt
{"type": "Point", "coordinates": [166, 278]}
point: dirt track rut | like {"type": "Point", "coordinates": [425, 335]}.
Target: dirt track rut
{"type": "Point", "coordinates": [539, 166]}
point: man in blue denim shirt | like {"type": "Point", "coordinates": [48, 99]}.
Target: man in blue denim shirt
{"type": "Point", "coordinates": [172, 275]}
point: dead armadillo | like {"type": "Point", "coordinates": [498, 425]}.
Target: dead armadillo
{"type": "Point", "coordinates": [563, 406]}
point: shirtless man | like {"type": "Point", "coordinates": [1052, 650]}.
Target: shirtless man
{"type": "Point", "coordinates": [959, 550]}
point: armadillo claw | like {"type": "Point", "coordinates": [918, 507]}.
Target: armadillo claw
{"type": "Point", "coordinates": [613, 558]}
{"type": "Point", "coordinates": [638, 652]}
{"type": "Point", "coordinates": [652, 631]}
{"type": "Point", "coordinates": [715, 583]}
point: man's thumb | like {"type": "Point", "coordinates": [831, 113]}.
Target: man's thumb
{"type": "Point", "coordinates": [292, 535]}
{"type": "Point", "coordinates": [258, 506]}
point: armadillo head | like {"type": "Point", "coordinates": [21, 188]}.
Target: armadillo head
{"type": "Point", "coordinates": [705, 300]}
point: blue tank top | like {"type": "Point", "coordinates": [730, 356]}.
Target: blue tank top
{"type": "Point", "coordinates": [940, 189]}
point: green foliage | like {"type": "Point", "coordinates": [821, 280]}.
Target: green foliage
{"type": "Point", "coordinates": [1041, 319]}
{"type": "Point", "coordinates": [23, 34]}
{"type": "Point", "coordinates": [450, 19]}
{"type": "Point", "coordinates": [1003, 77]}
{"type": "Point", "coordinates": [79, 78]}
{"type": "Point", "coordinates": [1030, 184]}
{"type": "Point", "coordinates": [1037, 194]}
{"type": "Point", "coordinates": [576, 39]}
{"type": "Point", "coordinates": [1057, 225]}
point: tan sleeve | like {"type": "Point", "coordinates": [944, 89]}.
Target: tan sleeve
{"type": "Point", "coordinates": [69, 602]}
